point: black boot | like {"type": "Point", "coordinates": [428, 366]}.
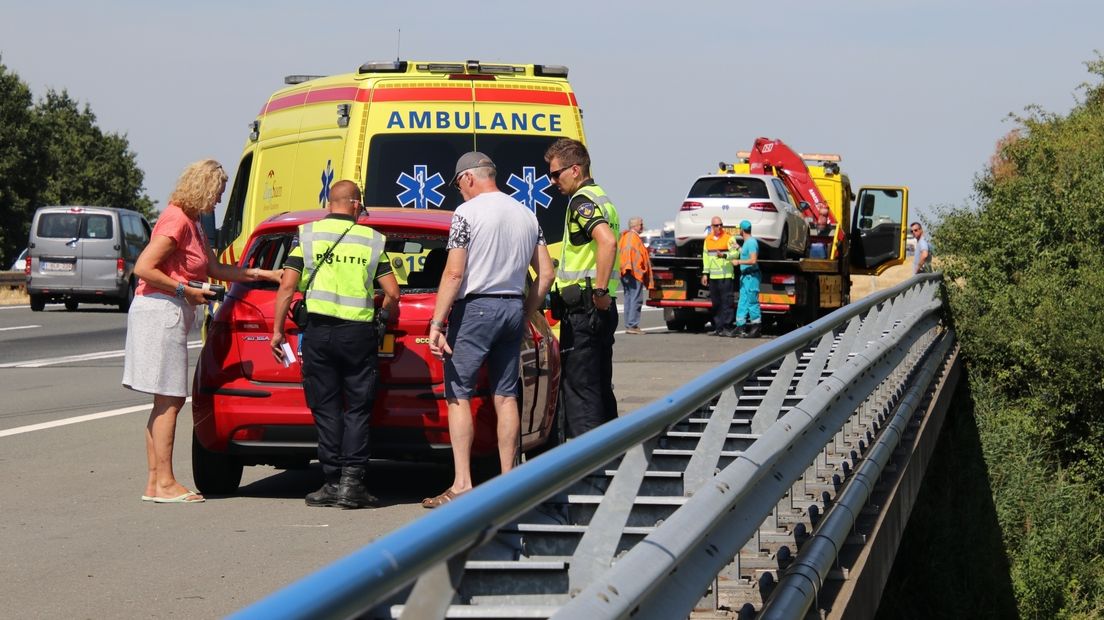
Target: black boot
{"type": "Point", "coordinates": [753, 330]}
{"type": "Point", "coordinates": [351, 492]}
{"type": "Point", "coordinates": [326, 496]}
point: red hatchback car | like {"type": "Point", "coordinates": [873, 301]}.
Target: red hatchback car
{"type": "Point", "coordinates": [248, 409]}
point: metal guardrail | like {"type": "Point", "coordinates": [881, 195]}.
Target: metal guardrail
{"type": "Point", "coordinates": [13, 279]}
{"type": "Point", "coordinates": [853, 376]}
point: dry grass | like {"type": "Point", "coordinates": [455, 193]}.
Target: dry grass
{"type": "Point", "coordinates": [861, 286]}
{"type": "Point", "coordinates": [14, 297]}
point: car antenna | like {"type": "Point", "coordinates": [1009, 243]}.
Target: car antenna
{"type": "Point", "coordinates": [398, 45]}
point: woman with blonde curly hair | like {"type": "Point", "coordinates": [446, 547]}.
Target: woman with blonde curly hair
{"type": "Point", "coordinates": [164, 310]}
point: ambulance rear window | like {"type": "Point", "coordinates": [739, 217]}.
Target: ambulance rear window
{"type": "Point", "coordinates": [721, 187]}
{"type": "Point", "coordinates": [415, 171]}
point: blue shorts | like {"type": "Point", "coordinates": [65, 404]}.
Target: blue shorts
{"type": "Point", "coordinates": [485, 329]}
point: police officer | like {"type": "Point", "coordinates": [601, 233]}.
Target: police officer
{"type": "Point", "coordinates": [750, 278]}
{"type": "Point", "coordinates": [586, 284]}
{"type": "Point", "coordinates": [340, 341]}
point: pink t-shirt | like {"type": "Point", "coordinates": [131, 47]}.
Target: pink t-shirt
{"type": "Point", "coordinates": [189, 260]}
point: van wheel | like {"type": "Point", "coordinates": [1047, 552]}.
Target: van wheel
{"type": "Point", "coordinates": [38, 303]}
{"type": "Point", "coordinates": [214, 473]}
{"type": "Point", "coordinates": [128, 298]}
{"type": "Point", "coordinates": [71, 305]}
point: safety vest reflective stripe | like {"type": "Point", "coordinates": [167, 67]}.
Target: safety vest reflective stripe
{"type": "Point", "coordinates": [343, 300]}
{"type": "Point", "coordinates": [579, 262]}
{"type": "Point", "coordinates": [332, 293]}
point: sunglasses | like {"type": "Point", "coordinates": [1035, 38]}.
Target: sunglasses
{"type": "Point", "coordinates": [915, 230]}
{"type": "Point", "coordinates": [555, 174]}
{"type": "Point", "coordinates": [456, 183]}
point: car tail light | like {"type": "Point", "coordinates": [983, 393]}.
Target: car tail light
{"type": "Point", "coordinates": [120, 268]}
{"type": "Point", "coordinates": [248, 433]}
{"type": "Point", "coordinates": [782, 280]}
{"type": "Point", "coordinates": [763, 206]}
{"type": "Point", "coordinates": [27, 266]}
{"type": "Point", "coordinates": [247, 318]}
{"type": "Point", "coordinates": [690, 205]}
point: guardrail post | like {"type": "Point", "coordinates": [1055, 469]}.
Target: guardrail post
{"type": "Point", "coordinates": [707, 454]}
{"type": "Point", "coordinates": [434, 591]}
{"type": "Point", "coordinates": [815, 368]}
{"type": "Point", "coordinates": [594, 555]}
{"type": "Point", "coordinates": [771, 405]}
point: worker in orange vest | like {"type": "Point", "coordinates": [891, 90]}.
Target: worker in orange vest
{"type": "Point", "coordinates": [636, 273]}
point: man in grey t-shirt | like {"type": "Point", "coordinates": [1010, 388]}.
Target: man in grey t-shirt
{"type": "Point", "coordinates": [921, 257]}
{"type": "Point", "coordinates": [493, 241]}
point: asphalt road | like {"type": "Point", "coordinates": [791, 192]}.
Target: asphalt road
{"type": "Point", "coordinates": [76, 541]}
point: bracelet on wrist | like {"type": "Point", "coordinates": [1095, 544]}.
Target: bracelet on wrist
{"type": "Point", "coordinates": [437, 324]}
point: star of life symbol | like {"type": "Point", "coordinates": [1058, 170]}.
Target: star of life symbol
{"type": "Point", "coordinates": [529, 189]}
{"type": "Point", "coordinates": [327, 178]}
{"type": "Point", "coordinates": [420, 190]}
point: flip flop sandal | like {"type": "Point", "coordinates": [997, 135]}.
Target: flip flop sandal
{"type": "Point", "coordinates": [440, 500]}
{"type": "Point", "coordinates": [181, 499]}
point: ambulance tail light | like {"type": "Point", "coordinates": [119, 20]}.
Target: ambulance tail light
{"type": "Point", "coordinates": [690, 205]}
{"type": "Point", "coordinates": [763, 206]}
{"type": "Point", "coordinates": [388, 66]}
{"type": "Point", "coordinates": [550, 70]}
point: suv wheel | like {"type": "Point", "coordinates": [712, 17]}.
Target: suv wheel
{"type": "Point", "coordinates": [71, 305]}
{"type": "Point", "coordinates": [128, 298]}
{"type": "Point", "coordinates": [38, 303]}
{"type": "Point", "coordinates": [214, 473]}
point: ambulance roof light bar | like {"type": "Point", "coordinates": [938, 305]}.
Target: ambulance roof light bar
{"type": "Point", "coordinates": [550, 70]}
{"type": "Point", "coordinates": [385, 66]}
{"type": "Point", "coordinates": [300, 78]}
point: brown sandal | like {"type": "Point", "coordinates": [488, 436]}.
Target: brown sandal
{"type": "Point", "coordinates": [441, 500]}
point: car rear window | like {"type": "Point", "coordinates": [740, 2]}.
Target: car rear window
{"type": "Point", "coordinates": [715, 187]}
{"type": "Point", "coordinates": [74, 225]}
{"type": "Point", "coordinates": [417, 259]}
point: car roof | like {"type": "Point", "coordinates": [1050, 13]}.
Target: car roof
{"type": "Point", "coordinates": [428, 220]}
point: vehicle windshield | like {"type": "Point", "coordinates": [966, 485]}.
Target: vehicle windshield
{"type": "Point", "coordinates": [735, 187]}
{"type": "Point", "coordinates": [415, 170]}
{"type": "Point", "coordinates": [417, 259]}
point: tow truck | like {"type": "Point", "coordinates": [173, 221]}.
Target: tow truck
{"type": "Point", "coordinates": [841, 242]}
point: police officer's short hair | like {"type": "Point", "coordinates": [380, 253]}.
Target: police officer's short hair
{"type": "Point", "coordinates": [570, 153]}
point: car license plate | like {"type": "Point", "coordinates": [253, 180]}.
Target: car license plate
{"type": "Point", "coordinates": [387, 345]}
{"type": "Point", "coordinates": [61, 267]}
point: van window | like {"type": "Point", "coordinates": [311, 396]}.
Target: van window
{"type": "Point", "coordinates": [736, 187]}
{"type": "Point", "coordinates": [97, 227]}
{"type": "Point", "coordinates": [59, 225]}
{"type": "Point", "coordinates": [414, 171]}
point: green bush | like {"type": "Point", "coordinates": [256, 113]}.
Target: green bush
{"type": "Point", "coordinates": [1025, 282]}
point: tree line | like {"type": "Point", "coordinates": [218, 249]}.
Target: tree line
{"type": "Point", "coordinates": [53, 153]}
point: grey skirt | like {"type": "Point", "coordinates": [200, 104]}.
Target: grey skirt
{"type": "Point", "coordinates": [157, 345]}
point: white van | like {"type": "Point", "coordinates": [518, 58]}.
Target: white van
{"type": "Point", "coordinates": [84, 255]}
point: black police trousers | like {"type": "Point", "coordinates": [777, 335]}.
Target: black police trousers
{"type": "Point", "coordinates": [340, 370]}
{"type": "Point", "coordinates": [586, 387]}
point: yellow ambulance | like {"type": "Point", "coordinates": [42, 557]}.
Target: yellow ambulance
{"type": "Point", "coordinates": [397, 129]}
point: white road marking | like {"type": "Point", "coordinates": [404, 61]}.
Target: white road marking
{"type": "Point", "coordinates": [84, 357]}
{"type": "Point", "coordinates": [647, 329]}
{"type": "Point", "coordinates": [8, 329]}
{"type": "Point", "coordinates": [19, 430]}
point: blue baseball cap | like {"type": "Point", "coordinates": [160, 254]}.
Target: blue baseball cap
{"type": "Point", "coordinates": [745, 225]}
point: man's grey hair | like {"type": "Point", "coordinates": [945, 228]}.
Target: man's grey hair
{"type": "Point", "coordinates": [483, 172]}
{"type": "Point", "coordinates": [636, 221]}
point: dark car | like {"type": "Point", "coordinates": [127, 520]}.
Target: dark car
{"type": "Point", "coordinates": [249, 409]}
{"type": "Point", "coordinates": [661, 246]}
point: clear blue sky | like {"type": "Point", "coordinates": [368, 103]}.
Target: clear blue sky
{"type": "Point", "coordinates": [909, 92]}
